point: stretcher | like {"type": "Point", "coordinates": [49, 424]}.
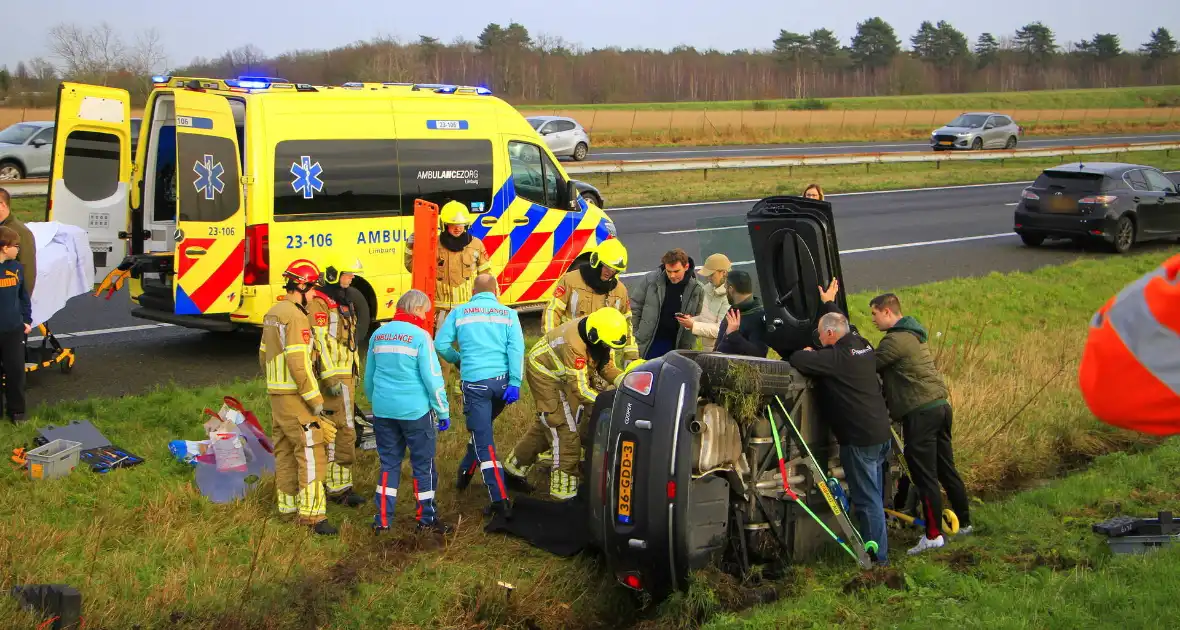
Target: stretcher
{"type": "Point", "coordinates": [65, 269]}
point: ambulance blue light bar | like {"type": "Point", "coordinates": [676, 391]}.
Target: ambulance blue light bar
{"type": "Point", "coordinates": [161, 78]}
{"type": "Point", "coordinates": [255, 83]}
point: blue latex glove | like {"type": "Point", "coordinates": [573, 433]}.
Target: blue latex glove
{"type": "Point", "coordinates": [511, 394]}
{"type": "Point", "coordinates": [444, 424]}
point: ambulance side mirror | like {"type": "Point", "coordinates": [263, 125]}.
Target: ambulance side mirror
{"type": "Point", "coordinates": [571, 196]}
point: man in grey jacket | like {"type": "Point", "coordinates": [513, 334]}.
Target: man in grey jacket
{"type": "Point", "coordinates": [658, 298]}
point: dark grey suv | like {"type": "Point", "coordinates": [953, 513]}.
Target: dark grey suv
{"type": "Point", "coordinates": [1121, 204]}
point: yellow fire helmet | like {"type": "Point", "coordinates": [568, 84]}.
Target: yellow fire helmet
{"type": "Point", "coordinates": [607, 326]}
{"type": "Point", "coordinates": [341, 264]}
{"type": "Point", "coordinates": [610, 253]}
{"type": "Point", "coordinates": [454, 213]}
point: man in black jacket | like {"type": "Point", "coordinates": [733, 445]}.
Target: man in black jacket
{"type": "Point", "coordinates": [850, 400]}
{"type": "Point", "coordinates": [743, 330]}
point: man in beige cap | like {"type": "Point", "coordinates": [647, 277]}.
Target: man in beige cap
{"type": "Point", "coordinates": [705, 325]}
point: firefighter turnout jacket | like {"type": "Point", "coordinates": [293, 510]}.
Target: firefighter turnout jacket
{"type": "Point", "coordinates": [1130, 369]}
{"type": "Point", "coordinates": [460, 259]}
{"type": "Point", "coordinates": [574, 298]}
{"type": "Point", "coordinates": [561, 362]}
{"type": "Point", "coordinates": [287, 353]}
{"type": "Point", "coordinates": [334, 327]}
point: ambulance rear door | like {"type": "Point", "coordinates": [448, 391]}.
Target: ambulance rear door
{"type": "Point", "coordinates": [211, 219]}
{"type": "Point", "coordinates": [90, 174]}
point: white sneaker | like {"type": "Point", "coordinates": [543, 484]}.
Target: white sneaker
{"type": "Point", "coordinates": [925, 544]}
{"type": "Point", "coordinates": [966, 530]}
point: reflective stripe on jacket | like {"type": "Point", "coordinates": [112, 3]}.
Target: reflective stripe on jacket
{"type": "Point", "coordinates": [1130, 368]}
{"type": "Point", "coordinates": [334, 325]}
{"type": "Point", "coordinates": [562, 358]}
{"type": "Point", "coordinates": [573, 298]}
{"type": "Point", "coordinates": [403, 378]}
{"type": "Point", "coordinates": [456, 272]}
{"type": "Point", "coordinates": [287, 353]}
{"type": "Point", "coordinates": [491, 341]}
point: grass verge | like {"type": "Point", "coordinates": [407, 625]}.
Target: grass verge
{"type": "Point", "coordinates": [638, 189]}
{"type": "Point", "coordinates": [29, 209]}
{"type": "Point", "coordinates": [1150, 96]}
{"type": "Point", "coordinates": [1033, 562]}
{"type": "Point", "coordinates": [145, 548]}
{"type": "Point", "coordinates": [734, 134]}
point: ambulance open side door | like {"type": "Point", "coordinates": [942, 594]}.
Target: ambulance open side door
{"type": "Point", "coordinates": [210, 218]}
{"type": "Point", "coordinates": [89, 177]}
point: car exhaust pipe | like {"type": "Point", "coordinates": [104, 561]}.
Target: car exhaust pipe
{"type": "Point", "coordinates": [695, 427]}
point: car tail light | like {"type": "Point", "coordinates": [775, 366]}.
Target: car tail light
{"type": "Point", "coordinates": [639, 382]}
{"type": "Point", "coordinates": [1030, 195]}
{"type": "Point", "coordinates": [631, 580]}
{"type": "Point", "coordinates": [257, 255]}
{"type": "Point", "coordinates": [671, 490]}
{"type": "Point", "coordinates": [1098, 199]}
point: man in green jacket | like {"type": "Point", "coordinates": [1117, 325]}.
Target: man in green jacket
{"type": "Point", "coordinates": [28, 245]}
{"type": "Point", "coordinates": [917, 396]}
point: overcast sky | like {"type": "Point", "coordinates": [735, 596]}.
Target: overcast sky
{"type": "Point", "coordinates": [210, 27]}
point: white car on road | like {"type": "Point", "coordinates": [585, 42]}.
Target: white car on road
{"type": "Point", "coordinates": [564, 136]}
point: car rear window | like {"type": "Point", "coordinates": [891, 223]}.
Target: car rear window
{"type": "Point", "coordinates": [1067, 182]}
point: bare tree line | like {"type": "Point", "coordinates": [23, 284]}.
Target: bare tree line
{"type": "Point", "coordinates": [546, 69]}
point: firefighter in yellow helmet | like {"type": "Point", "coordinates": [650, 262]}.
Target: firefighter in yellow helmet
{"type": "Point", "coordinates": [558, 369]}
{"type": "Point", "coordinates": [588, 288]}
{"type": "Point", "coordinates": [461, 257]}
{"type": "Point", "coordinates": [334, 324]}
{"type": "Point", "coordinates": [299, 429]}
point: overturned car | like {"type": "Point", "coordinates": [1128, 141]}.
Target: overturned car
{"type": "Point", "coordinates": [702, 458]}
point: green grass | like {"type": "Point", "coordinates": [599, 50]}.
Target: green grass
{"type": "Point", "coordinates": [1151, 96]}
{"type": "Point", "coordinates": [145, 548]}
{"type": "Point", "coordinates": [1032, 563]}
{"type": "Point", "coordinates": [29, 208]}
{"type": "Point", "coordinates": [638, 189]}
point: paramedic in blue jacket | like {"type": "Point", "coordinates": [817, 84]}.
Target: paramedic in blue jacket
{"type": "Point", "coordinates": [404, 383]}
{"type": "Point", "coordinates": [491, 366]}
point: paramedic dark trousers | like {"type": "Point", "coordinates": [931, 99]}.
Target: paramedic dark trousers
{"type": "Point", "coordinates": [12, 364]}
{"type": "Point", "coordinates": [482, 403]}
{"type": "Point", "coordinates": [393, 437]}
{"type": "Point", "coordinates": [931, 460]}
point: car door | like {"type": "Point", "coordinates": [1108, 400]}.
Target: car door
{"type": "Point", "coordinates": [1148, 203]}
{"type": "Point", "coordinates": [1169, 203]}
{"type": "Point", "coordinates": [90, 168]}
{"type": "Point", "coordinates": [210, 217]}
{"type": "Point", "coordinates": [40, 153]}
{"type": "Point", "coordinates": [795, 251]}
{"type": "Point", "coordinates": [563, 138]}
{"type": "Point", "coordinates": [991, 131]}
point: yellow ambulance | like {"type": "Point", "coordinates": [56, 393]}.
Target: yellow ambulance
{"type": "Point", "coordinates": [234, 179]}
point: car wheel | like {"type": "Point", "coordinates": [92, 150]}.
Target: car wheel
{"type": "Point", "coordinates": [1032, 240]}
{"type": "Point", "coordinates": [1011, 143]}
{"type": "Point", "coordinates": [590, 198]}
{"type": "Point", "coordinates": [977, 144]}
{"type": "Point", "coordinates": [1124, 235]}
{"type": "Point", "coordinates": [747, 374]}
{"type": "Point", "coordinates": [10, 171]}
{"type": "Point", "coordinates": [580, 151]}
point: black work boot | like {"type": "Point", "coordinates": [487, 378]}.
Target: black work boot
{"type": "Point", "coordinates": [464, 479]}
{"type": "Point", "coordinates": [503, 507]}
{"type": "Point", "coordinates": [348, 499]}
{"type": "Point", "coordinates": [324, 528]}
{"type": "Point", "coordinates": [435, 526]}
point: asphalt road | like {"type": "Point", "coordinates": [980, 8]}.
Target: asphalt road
{"type": "Point", "coordinates": [762, 150]}
{"type": "Point", "coordinates": [887, 240]}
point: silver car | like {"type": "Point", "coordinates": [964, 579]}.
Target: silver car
{"type": "Point", "coordinates": [26, 150]}
{"type": "Point", "coordinates": [976, 131]}
{"type": "Point", "coordinates": [564, 136]}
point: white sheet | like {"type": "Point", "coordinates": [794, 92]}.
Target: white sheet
{"type": "Point", "coordinates": [65, 267]}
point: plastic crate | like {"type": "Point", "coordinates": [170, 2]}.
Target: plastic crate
{"type": "Point", "coordinates": [55, 459]}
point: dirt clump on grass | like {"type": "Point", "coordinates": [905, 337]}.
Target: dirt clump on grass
{"type": "Point", "coordinates": [866, 580]}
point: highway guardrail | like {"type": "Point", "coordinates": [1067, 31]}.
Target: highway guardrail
{"type": "Point", "coordinates": [708, 163]}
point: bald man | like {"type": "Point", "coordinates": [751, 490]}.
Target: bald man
{"type": "Point", "coordinates": [490, 359]}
